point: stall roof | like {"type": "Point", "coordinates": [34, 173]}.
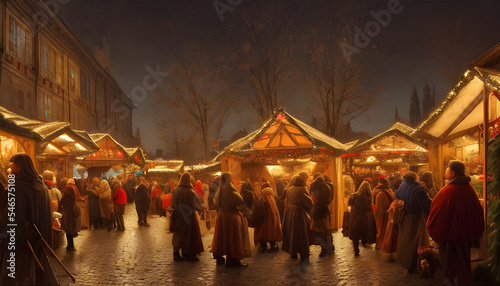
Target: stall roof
{"type": "Point", "coordinates": [136, 155]}
{"type": "Point", "coordinates": [284, 132]}
{"type": "Point", "coordinates": [111, 152]}
{"type": "Point", "coordinates": [57, 138]}
{"type": "Point", "coordinates": [462, 109]}
{"type": "Point", "coordinates": [396, 138]}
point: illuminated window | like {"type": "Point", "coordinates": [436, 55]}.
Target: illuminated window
{"type": "Point", "coordinates": [52, 63]}
{"type": "Point", "coordinates": [20, 41]}
{"type": "Point", "coordinates": [85, 95]}
{"type": "Point", "coordinates": [47, 108]}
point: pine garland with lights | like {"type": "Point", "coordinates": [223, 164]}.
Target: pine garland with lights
{"type": "Point", "coordinates": [489, 272]}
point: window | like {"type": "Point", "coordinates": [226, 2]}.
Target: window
{"type": "Point", "coordinates": [20, 41]}
{"type": "Point", "coordinates": [74, 78]}
{"type": "Point", "coordinates": [85, 95]}
{"type": "Point", "coordinates": [47, 104]}
{"type": "Point", "coordinates": [52, 63]}
{"type": "Point", "coordinates": [100, 100]}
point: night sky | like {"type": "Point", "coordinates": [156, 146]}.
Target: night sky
{"type": "Point", "coordinates": [406, 52]}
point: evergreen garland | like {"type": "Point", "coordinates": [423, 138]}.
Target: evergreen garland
{"type": "Point", "coordinates": [489, 271]}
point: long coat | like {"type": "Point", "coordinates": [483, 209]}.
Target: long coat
{"type": "Point", "coordinates": [231, 228]}
{"type": "Point", "coordinates": [270, 228]}
{"type": "Point", "coordinates": [362, 218]}
{"type": "Point", "coordinates": [296, 220]}
{"type": "Point", "coordinates": [187, 234]}
{"type": "Point", "coordinates": [71, 221]}
{"type": "Point", "coordinates": [32, 206]}
{"type": "Point", "coordinates": [382, 199]}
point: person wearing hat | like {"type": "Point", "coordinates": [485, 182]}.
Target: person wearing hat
{"type": "Point", "coordinates": [456, 219]}
{"type": "Point", "coordinates": [269, 228]}
{"type": "Point", "coordinates": [382, 199]}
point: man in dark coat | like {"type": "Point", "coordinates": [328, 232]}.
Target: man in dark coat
{"type": "Point", "coordinates": [456, 219]}
{"type": "Point", "coordinates": [187, 235]}
{"type": "Point", "coordinates": [32, 207]}
{"type": "Point", "coordinates": [142, 200]}
{"type": "Point", "coordinates": [412, 230]}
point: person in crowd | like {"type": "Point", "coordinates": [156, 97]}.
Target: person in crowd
{"type": "Point", "coordinates": [106, 205]}
{"type": "Point", "coordinates": [456, 220]}
{"type": "Point", "coordinates": [269, 230]}
{"type": "Point", "coordinates": [55, 195]}
{"type": "Point", "coordinates": [185, 221]}
{"type": "Point", "coordinates": [296, 220]}
{"type": "Point", "coordinates": [32, 208]}
{"type": "Point", "coordinates": [129, 187]}
{"type": "Point", "coordinates": [383, 196]}
{"type": "Point", "coordinates": [71, 220]}
{"type": "Point", "coordinates": [142, 201]}
{"type": "Point", "coordinates": [214, 187]}
{"type": "Point", "coordinates": [412, 230]}
{"type": "Point", "coordinates": [427, 180]}
{"type": "Point", "coordinates": [72, 184]}
{"type": "Point", "coordinates": [119, 203]}
{"type": "Point", "coordinates": [198, 187]}
{"type": "Point", "coordinates": [231, 228]}
{"type": "Point", "coordinates": [156, 192]}
{"type": "Point", "coordinates": [93, 191]}
{"type": "Point", "coordinates": [363, 227]}
{"type": "Point", "coordinates": [322, 195]}
{"type": "Point", "coordinates": [247, 193]}
{"type": "Point", "coordinates": [62, 183]}
{"type": "Point", "coordinates": [395, 181]}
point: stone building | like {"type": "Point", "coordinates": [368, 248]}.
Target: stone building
{"type": "Point", "coordinates": [47, 74]}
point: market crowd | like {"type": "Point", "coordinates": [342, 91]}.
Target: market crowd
{"type": "Point", "coordinates": [405, 214]}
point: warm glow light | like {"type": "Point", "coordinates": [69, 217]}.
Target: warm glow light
{"type": "Point", "coordinates": [275, 171]}
{"type": "Point", "coordinates": [66, 138]}
{"type": "Point", "coordinates": [218, 173]}
{"type": "Point", "coordinates": [371, 159]}
{"type": "Point", "coordinates": [77, 145]}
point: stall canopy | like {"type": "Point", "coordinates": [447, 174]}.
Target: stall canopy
{"type": "Point", "coordinates": [283, 136]}
{"type": "Point", "coordinates": [163, 170]}
{"type": "Point", "coordinates": [136, 156]}
{"type": "Point", "coordinates": [394, 145]}
{"type": "Point", "coordinates": [462, 110]}
{"type": "Point", "coordinates": [111, 152]}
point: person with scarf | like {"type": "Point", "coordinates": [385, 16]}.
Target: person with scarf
{"type": "Point", "coordinates": [296, 220]}
{"type": "Point", "coordinates": [322, 195]}
{"type": "Point", "coordinates": [71, 220]}
{"type": "Point", "coordinates": [186, 221]}
{"type": "Point", "coordinates": [382, 199]}
{"type": "Point", "coordinates": [32, 207]}
{"type": "Point", "coordinates": [106, 204]}
{"type": "Point", "coordinates": [412, 229]}
{"type": "Point", "coordinates": [455, 221]}
{"type": "Point", "coordinates": [362, 226]}
{"type": "Point", "coordinates": [269, 230]}
{"type": "Point", "coordinates": [231, 228]}
{"type": "Point", "coordinates": [55, 195]}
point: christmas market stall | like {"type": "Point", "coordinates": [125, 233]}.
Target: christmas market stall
{"type": "Point", "coordinates": [112, 155]}
{"type": "Point", "coordinates": [15, 139]}
{"type": "Point", "coordinates": [205, 172]}
{"type": "Point", "coordinates": [282, 147]}
{"type": "Point", "coordinates": [163, 170]}
{"type": "Point", "coordinates": [387, 153]}
{"type": "Point", "coordinates": [458, 128]}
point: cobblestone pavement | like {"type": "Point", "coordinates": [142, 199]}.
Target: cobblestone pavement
{"type": "Point", "coordinates": [143, 256]}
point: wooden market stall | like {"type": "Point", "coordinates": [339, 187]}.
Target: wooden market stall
{"type": "Point", "coordinates": [282, 146]}
{"type": "Point", "coordinates": [163, 170]}
{"type": "Point", "coordinates": [456, 130]}
{"type": "Point", "coordinates": [15, 139]}
{"type": "Point", "coordinates": [388, 151]}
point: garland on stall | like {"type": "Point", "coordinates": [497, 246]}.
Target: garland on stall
{"type": "Point", "coordinates": [489, 272]}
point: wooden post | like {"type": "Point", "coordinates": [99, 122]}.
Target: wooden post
{"type": "Point", "coordinates": [484, 239]}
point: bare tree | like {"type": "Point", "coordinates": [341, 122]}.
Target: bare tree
{"type": "Point", "coordinates": [196, 95]}
{"type": "Point", "coordinates": [173, 134]}
{"type": "Point", "coordinates": [263, 56]}
{"type": "Point", "coordinates": [338, 83]}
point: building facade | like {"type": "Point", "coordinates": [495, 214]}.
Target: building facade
{"type": "Point", "coordinates": [46, 73]}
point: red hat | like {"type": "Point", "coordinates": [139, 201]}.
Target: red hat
{"type": "Point", "coordinates": [382, 177]}
{"type": "Point", "coordinates": [368, 179]}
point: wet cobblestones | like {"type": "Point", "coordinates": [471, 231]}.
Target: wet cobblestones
{"type": "Point", "coordinates": [143, 256]}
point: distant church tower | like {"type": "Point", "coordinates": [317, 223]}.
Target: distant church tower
{"type": "Point", "coordinates": [396, 116]}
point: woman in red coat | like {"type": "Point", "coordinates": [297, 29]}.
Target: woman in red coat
{"type": "Point", "coordinates": [120, 199]}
